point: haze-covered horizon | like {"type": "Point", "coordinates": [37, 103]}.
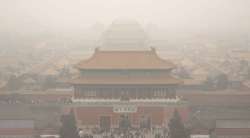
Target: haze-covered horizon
{"type": "Point", "coordinates": [124, 69]}
{"type": "Point", "coordinates": [203, 16]}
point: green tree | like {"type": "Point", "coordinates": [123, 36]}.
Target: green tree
{"type": "Point", "coordinates": [69, 129]}
{"type": "Point", "coordinates": [176, 127]}
{"type": "Point", "coordinates": [222, 81]}
{"type": "Point", "coordinates": [14, 83]}
{"type": "Point", "coordinates": [209, 84]}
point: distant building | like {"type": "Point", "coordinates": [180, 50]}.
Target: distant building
{"type": "Point", "coordinates": [25, 121]}
{"type": "Point", "coordinates": [232, 129]}
{"type": "Point", "coordinates": [124, 35]}
{"type": "Point", "coordinates": [17, 129]}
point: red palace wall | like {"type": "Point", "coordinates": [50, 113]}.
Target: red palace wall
{"type": "Point", "coordinates": [90, 116]}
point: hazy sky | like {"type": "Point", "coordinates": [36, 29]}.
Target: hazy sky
{"type": "Point", "coordinates": [37, 15]}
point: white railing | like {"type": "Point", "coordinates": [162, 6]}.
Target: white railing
{"type": "Point", "coordinates": [111, 102]}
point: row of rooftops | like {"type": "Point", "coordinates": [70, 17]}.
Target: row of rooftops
{"type": "Point", "coordinates": [226, 128]}
{"type": "Point", "coordinates": [113, 59]}
{"type": "Point", "coordinates": [129, 60]}
{"type": "Point", "coordinates": [16, 127]}
{"type": "Point", "coordinates": [127, 80]}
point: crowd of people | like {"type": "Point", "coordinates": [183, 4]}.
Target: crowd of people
{"type": "Point", "coordinates": [131, 133]}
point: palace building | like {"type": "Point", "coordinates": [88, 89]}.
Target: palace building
{"type": "Point", "coordinates": [132, 85]}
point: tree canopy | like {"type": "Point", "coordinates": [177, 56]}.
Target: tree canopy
{"type": "Point", "coordinates": [69, 128]}
{"type": "Point", "coordinates": [176, 127]}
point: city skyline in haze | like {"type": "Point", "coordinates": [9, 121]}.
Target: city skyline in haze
{"type": "Point", "coordinates": [204, 16]}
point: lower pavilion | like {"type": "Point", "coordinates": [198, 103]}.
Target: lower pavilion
{"type": "Point", "coordinates": [135, 85]}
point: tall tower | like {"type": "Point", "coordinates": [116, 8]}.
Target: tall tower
{"type": "Point", "coordinates": [124, 35]}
